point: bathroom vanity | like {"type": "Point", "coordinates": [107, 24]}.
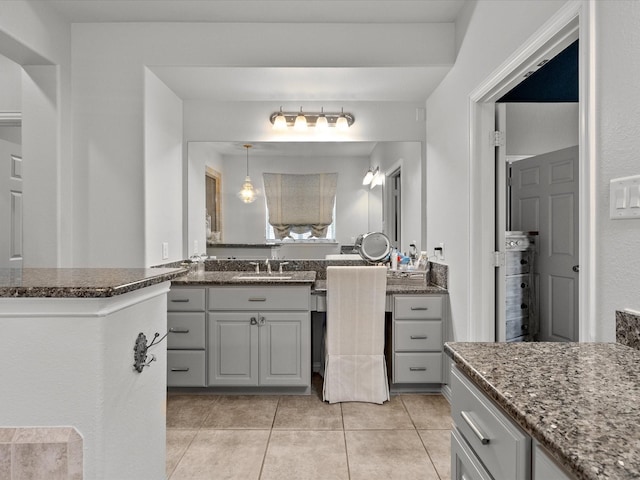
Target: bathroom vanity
{"type": "Point", "coordinates": [235, 331]}
{"type": "Point", "coordinates": [544, 411]}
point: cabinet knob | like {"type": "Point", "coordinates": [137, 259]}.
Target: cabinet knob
{"type": "Point", "coordinates": [253, 321]}
{"type": "Point", "coordinates": [523, 306]}
{"type": "Point", "coordinates": [523, 262]}
{"type": "Point", "coordinates": [523, 285]}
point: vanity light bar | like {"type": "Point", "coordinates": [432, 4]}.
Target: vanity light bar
{"type": "Point", "coordinates": [312, 117]}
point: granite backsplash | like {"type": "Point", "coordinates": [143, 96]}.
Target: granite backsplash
{"type": "Point", "coordinates": [628, 329]}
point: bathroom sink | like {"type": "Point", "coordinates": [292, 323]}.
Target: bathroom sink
{"type": "Point", "coordinates": [262, 277]}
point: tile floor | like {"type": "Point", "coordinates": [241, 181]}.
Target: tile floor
{"type": "Point", "coordinates": [302, 437]}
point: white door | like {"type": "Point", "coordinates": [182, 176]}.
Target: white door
{"type": "Point", "coordinates": [10, 205]}
{"type": "Point", "coordinates": [544, 198]}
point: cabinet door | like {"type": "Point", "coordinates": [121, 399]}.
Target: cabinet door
{"type": "Point", "coordinates": [233, 348]}
{"type": "Point", "coordinates": [285, 348]}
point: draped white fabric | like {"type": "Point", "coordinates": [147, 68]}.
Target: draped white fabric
{"type": "Point", "coordinates": [355, 368]}
{"type": "Point", "coordinates": [300, 203]}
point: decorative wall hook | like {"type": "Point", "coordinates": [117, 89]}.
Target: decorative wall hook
{"type": "Point", "coordinates": [140, 350]}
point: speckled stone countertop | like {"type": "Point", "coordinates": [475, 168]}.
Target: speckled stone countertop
{"type": "Point", "coordinates": [320, 287]}
{"type": "Point", "coordinates": [580, 400]}
{"type": "Point", "coordinates": [247, 278]}
{"type": "Point", "coordinates": [80, 282]}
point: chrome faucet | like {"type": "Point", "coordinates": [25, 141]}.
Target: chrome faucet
{"type": "Point", "coordinates": [280, 267]}
{"type": "Point", "coordinates": [266, 262]}
{"type": "Point", "coordinates": [257, 265]}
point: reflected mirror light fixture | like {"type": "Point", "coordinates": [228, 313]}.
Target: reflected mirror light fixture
{"type": "Point", "coordinates": [368, 177]}
{"type": "Point", "coordinates": [320, 120]}
{"type": "Point", "coordinates": [377, 178]}
{"type": "Point", "coordinates": [248, 194]}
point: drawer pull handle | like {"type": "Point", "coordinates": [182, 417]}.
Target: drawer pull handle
{"type": "Point", "coordinates": [179, 330]}
{"type": "Point", "coordinates": [474, 428]}
{"type": "Point", "coordinates": [257, 299]}
{"type": "Point", "coordinates": [419, 308]}
{"type": "Point", "coordinates": [253, 321]}
{"type": "Point", "coordinates": [180, 300]}
{"type": "Point", "coordinates": [417, 369]}
{"type": "Point", "coordinates": [418, 337]}
{"type": "Point", "coordinates": [180, 369]}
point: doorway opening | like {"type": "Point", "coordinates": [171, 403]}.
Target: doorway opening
{"type": "Point", "coordinates": [489, 176]}
{"type": "Point", "coordinates": [393, 184]}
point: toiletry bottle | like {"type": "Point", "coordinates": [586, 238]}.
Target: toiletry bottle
{"type": "Point", "coordinates": [394, 259]}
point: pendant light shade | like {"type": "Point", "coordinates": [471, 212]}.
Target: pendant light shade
{"type": "Point", "coordinates": [368, 177]}
{"type": "Point", "coordinates": [248, 193]}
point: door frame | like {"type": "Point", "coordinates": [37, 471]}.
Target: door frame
{"type": "Point", "coordinates": [576, 19]}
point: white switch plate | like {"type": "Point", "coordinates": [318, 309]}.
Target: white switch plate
{"type": "Point", "coordinates": [624, 201]}
{"type": "Point", "coordinates": [165, 250]}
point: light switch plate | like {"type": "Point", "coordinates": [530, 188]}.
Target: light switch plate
{"type": "Point", "coordinates": [624, 201]}
{"type": "Point", "coordinates": [165, 250]}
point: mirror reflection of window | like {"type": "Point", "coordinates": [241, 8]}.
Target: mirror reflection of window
{"type": "Point", "coordinates": [213, 186]}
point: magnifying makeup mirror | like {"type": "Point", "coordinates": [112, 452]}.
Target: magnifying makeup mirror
{"type": "Point", "coordinates": [373, 247]}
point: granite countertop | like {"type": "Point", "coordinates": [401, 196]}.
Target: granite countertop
{"type": "Point", "coordinates": [579, 400]}
{"type": "Point", "coordinates": [320, 287]}
{"type": "Point", "coordinates": [80, 282]}
{"type": "Point", "coordinates": [248, 278]}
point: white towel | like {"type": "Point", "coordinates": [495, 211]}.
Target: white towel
{"type": "Point", "coordinates": [355, 368]}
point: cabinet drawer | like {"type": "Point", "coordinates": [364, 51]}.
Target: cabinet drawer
{"type": "Point", "coordinates": [417, 307]}
{"type": "Point", "coordinates": [259, 298]}
{"type": "Point", "coordinates": [185, 368]}
{"type": "Point", "coordinates": [417, 367]}
{"type": "Point", "coordinates": [185, 299]}
{"type": "Point", "coordinates": [518, 262]}
{"type": "Point", "coordinates": [464, 463]}
{"type": "Point", "coordinates": [418, 335]}
{"type": "Point", "coordinates": [186, 330]}
{"type": "Point", "coordinates": [498, 442]}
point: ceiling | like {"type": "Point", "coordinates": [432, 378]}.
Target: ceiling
{"type": "Point", "coordinates": [376, 84]}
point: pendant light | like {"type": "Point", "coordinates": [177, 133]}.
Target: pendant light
{"type": "Point", "coordinates": [248, 193]}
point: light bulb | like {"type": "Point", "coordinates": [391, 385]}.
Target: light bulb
{"type": "Point", "coordinates": [248, 193]}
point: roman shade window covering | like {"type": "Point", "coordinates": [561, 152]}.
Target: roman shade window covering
{"type": "Point", "coordinates": [300, 203]}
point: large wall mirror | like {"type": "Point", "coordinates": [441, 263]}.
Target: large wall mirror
{"type": "Point", "coordinates": [358, 208]}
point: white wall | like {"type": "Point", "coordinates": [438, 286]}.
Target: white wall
{"type": "Point", "coordinates": [495, 29]}
{"type": "Point", "coordinates": [537, 128]}
{"type": "Point", "coordinates": [245, 223]}
{"type": "Point", "coordinates": [32, 36]}
{"type": "Point", "coordinates": [162, 171]}
{"type": "Point", "coordinates": [10, 85]}
{"type": "Point", "coordinates": [407, 155]}
{"type": "Point", "coordinates": [618, 144]}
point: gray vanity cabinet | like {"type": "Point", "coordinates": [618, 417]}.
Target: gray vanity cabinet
{"type": "Point", "coordinates": [186, 349]}
{"type": "Point", "coordinates": [417, 339]}
{"type": "Point", "coordinates": [259, 336]}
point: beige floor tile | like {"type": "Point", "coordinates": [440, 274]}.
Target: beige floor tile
{"type": "Point", "coordinates": [243, 411]}
{"type": "Point", "coordinates": [428, 411]}
{"type": "Point", "coordinates": [370, 416]}
{"type": "Point", "coordinates": [177, 442]}
{"type": "Point", "coordinates": [188, 411]}
{"type": "Point", "coordinates": [438, 444]}
{"type": "Point", "coordinates": [305, 455]}
{"type": "Point", "coordinates": [223, 455]}
{"type": "Point", "coordinates": [388, 454]}
{"type": "Point", "coordinates": [307, 412]}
